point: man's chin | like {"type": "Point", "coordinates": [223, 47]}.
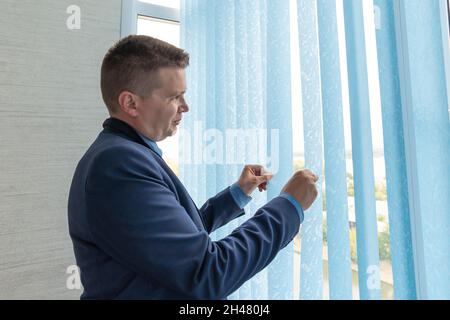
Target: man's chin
{"type": "Point", "coordinates": [171, 132]}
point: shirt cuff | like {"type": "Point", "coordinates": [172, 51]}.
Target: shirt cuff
{"type": "Point", "coordinates": [296, 204]}
{"type": "Point", "coordinates": [239, 195]}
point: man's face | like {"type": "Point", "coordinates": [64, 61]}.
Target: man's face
{"type": "Point", "coordinates": [160, 113]}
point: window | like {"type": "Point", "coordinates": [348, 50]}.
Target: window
{"type": "Point", "coordinates": [175, 4]}
{"type": "Point", "coordinates": [386, 275]}
{"type": "Point", "coordinates": [378, 159]}
{"type": "Point", "coordinates": [162, 29]}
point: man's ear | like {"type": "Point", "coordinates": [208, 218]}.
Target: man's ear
{"type": "Point", "coordinates": [128, 103]}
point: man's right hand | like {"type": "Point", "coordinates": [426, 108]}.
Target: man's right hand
{"type": "Point", "coordinates": [302, 186]}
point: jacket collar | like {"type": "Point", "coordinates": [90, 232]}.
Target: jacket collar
{"type": "Point", "coordinates": [121, 128]}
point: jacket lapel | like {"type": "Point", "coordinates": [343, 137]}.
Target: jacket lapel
{"type": "Point", "coordinates": [123, 129]}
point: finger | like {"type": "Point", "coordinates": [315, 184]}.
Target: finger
{"type": "Point", "coordinates": [256, 168]}
{"type": "Point", "coordinates": [260, 179]}
{"type": "Point", "coordinates": [267, 173]}
{"type": "Point", "coordinates": [311, 174]}
{"type": "Point", "coordinates": [269, 176]}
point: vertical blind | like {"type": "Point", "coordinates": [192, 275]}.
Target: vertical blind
{"type": "Point", "coordinates": [366, 220]}
{"type": "Point", "coordinates": [397, 184]}
{"type": "Point", "coordinates": [239, 90]}
{"type": "Point", "coordinates": [339, 263]}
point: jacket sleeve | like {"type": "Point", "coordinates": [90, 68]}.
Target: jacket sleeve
{"type": "Point", "coordinates": [135, 218]}
{"type": "Point", "coordinates": [219, 210]}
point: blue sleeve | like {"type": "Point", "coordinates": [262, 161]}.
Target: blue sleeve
{"type": "Point", "coordinates": [219, 210]}
{"type": "Point", "coordinates": [239, 195]}
{"type": "Point", "coordinates": [296, 204]}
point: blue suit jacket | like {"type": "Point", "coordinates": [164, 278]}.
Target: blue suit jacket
{"type": "Point", "coordinates": [137, 234]}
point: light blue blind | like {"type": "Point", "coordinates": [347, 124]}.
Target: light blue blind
{"type": "Point", "coordinates": [397, 184]}
{"type": "Point", "coordinates": [339, 263]}
{"type": "Point", "coordinates": [427, 140]}
{"type": "Point", "coordinates": [311, 280]}
{"type": "Point", "coordinates": [279, 119]}
{"type": "Point", "coordinates": [366, 220]}
{"type": "Point", "coordinates": [239, 78]}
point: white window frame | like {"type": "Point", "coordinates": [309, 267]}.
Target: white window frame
{"type": "Point", "coordinates": [132, 9]}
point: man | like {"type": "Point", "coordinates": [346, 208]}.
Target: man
{"type": "Point", "coordinates": [136, 232]}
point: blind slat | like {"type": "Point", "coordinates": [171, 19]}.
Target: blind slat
{"type": "Point", "coordinates": [366, 220]}
{"type": "Point", "coordinates": [339, 262]}
{"type": "Point", "coordinates": [427, 144]}
{"type": "Point", "coordinates": [394, 154]}
{"type": "Point", "coordinates": [279, 117]}
{"type": "Point", "coordinates": [311, 263]}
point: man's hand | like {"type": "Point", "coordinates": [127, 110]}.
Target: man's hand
{"type": "Point", "coordinates": [302, 186]}
{"type": "Point", "coordinates": [253, 176]}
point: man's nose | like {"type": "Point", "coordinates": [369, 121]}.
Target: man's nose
{"type": "Point", "coordinates": [184, 107]}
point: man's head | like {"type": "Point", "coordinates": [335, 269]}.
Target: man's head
{"type": "Point", "coordinates": [143, 83]}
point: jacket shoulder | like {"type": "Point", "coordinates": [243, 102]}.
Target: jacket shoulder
{"type": "Point", "coordinates": [111, 153]}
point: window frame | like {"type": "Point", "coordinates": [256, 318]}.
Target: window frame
{"type": "Point", "coordinates": [132, 9]}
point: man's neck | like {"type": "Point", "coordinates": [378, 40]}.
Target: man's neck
{"type": "Point", "coordinates": [132, 124]}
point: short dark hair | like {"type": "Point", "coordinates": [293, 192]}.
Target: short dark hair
{"type": "Point", "coordinates": [130, 63]}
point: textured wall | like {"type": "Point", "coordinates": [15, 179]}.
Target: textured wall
{"type": "Point", "coordinates": [50, 111]}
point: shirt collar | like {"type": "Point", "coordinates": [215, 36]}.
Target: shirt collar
{"type": "Point", "coordinates": [152, 144]}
